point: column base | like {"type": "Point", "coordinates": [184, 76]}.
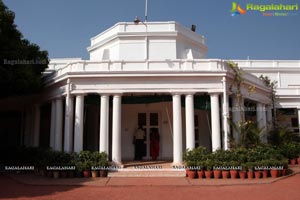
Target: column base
{"type": "Point", "coordinates": [177, 164]}
{"type": "Point", "coordinates": [117, 164]}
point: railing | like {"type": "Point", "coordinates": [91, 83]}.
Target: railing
{"type": "Point", "coordinates": [205, 66]}
{"type": "Point", "coordinates": [268, 63]}
{"type": "Point", "coordinates": [288, 91]}
{"type": "Point", "coordinates": [139, 66]}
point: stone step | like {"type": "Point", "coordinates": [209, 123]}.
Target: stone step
{"type": "Point", "coordinates": [147, 173]}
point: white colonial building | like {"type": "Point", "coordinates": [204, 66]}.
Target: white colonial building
{"type": "Point", "coordinates": [154, 74]}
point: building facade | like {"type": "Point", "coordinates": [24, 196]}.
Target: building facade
{"type": "Point", "coordinates": [152, 74]}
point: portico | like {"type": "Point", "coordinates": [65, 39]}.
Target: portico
{"type": "Point", "coordinates": [175, 91]}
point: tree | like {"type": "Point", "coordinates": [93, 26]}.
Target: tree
{"type": "Point", "coordinates": [21, 62]}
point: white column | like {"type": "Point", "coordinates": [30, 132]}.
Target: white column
{"type": "Point", "coordinates": [58, 125]}
{"type": "Point", "coordinates": [261, 120]}
{"type": "Point", "coordinates": [78, 126]}
{"type": "Point", "coordinates": [36, 131]}
{"type": "Point", "coordinates": [177, 130]}
{"type": "Point", "coordinates": [225, 124]}
{"type": "Point", "coordinates": [189, 121]}
{"type": "Point", "coordinates": [28, 127]}
{"type": "Point", "coordinates": [236, 116]}
{"type": "Point", "coordinates": [269, 118]}
{"type": "Point", "coordinates": [298, 109]}
{"type": "Point", "coordinates": [52, 126]}
{"type": "Point", "coordinates": [103, 143]}
{"type": "Point", "coordinates": [68, 141]}
{"type": "Point", "coordinates": [225, 111]}
{"type": "Point", "coordinates": [215, 122]}
{"type": "Point", "coordinates": [116, 130]}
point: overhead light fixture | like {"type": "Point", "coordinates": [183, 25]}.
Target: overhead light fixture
{"type": "Point", "coordinates": [136, 20]}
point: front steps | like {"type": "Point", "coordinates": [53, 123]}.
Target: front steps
{"type": "Point", "coordinates": [147, 169]}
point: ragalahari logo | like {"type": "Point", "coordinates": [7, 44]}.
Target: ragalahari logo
{"type": "Point", "coordinates": [237, 9]}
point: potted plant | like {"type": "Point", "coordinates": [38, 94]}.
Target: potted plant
{"type": "Point", "coordinates": [85, 160]}
{"type": "Point", "coordinates": [200, 169]}
{"type": "Point", "coordinates": [201, 154]}
{"type": "Point", "coordinates": [290, 151]}
{"type": "Point", "coordinates": [234, 169]}
{"type": "Point", "coordinates": [274, 165]}
{"type": "Point", "coordinates": [250, 173]}
{"type": "Point", "coordinates": [208, 169]}
{"type": "Point", "coordinates": [285, 167]}
{"type": "Point", "coordinates": [79, 169]}
{"type": "Point", "coordinates": [103, 163]}
{"type": "Point", "coordinates": [190, 159]}
{"type": "Point", "coordinates": [95, 158]}
{"type": "Point", "coordinates": [217, 169]}
{"type": "Point", "coordinates": [56, 161]}
{"type": "Point", "coordinates": [257, 170]}
{"type": "Point", "coordinates": [264, 165]}
{"type": "Point", "coordinates": [225, 169]}
{"type": "Point", "coordinates": [243, 171]}
{"type": "Point", "coordinates": [64, 160]}
{"type": "Point", "coordinates": [72, 164]}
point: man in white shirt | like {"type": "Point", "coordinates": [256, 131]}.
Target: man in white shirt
{"type": "Point", "coordinates": [138, 141]}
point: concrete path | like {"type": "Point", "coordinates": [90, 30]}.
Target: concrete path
{"type": "Point", "coordinates": [149, 188]}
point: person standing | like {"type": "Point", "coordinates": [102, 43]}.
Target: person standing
{"type": "Point", "coordinates": [154, 143]}
{"type": "Point", "coordinates": [138, 141]}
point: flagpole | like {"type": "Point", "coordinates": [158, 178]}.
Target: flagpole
{"type": "Point", "coordinates": [146, 11]}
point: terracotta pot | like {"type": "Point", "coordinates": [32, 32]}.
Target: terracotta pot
{"type": "Point", "coordinates": [103, 173]}
{"type": "Point", "coordinates": [217, 174]}
{"type": "Point", "coordinates": [274, 173]}
{"type": "Point", "coordinates": [279, 173]}
{"type": "Point", "coordinates": [225, 174]}
{"type": "Point", "coordinates": [42, 172]}
{"type": "Point", "coordinates": [234, 173]}
{"type": "Point", "coordinates": [298, 160]}
{"type": "Point", "coordinates": [63, 174]}
{"type": "Point", "coordinates": [208, 174]}
{"type": "Point", "coordinates": [191, 173]}
{"type": "Point", "coordinates": [284, 172]}
{"type": "Point", "coordinates": [293, 162]}
{"type": "Point", "coordinates": [95, 173]}
{"type": "Point", "coordinates": [257, 174]}
{"type": "Point", "coordinates": [200, 173]}
{"type": "Point", "coordinates": [242, 174]}
{"type": "Point", "coordinates": [56, 174]}
{"type": "Point", "coordinates": [36, 172]}
{"type": "Point", "coordinates": [78, 174]}
{"type": "Point", "coordinates": [86, 173]}
{"type": "Point", "coordinates": [49, 174]}
{"type": "Point", "coordinates": [265, 173]}
{"type": "Point", "coordinates": [70, 174]}
{"type": "Point", "coordinates": [250, 174]}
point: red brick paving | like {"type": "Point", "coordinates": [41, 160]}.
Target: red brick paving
{"type": "Point", "coordinates": [288, 188]}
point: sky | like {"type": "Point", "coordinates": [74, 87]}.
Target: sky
{"type": "Point", "coordinates": [64, 27]}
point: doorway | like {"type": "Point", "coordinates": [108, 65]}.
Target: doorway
{"type": "Point", "coordinates": [150, 123]}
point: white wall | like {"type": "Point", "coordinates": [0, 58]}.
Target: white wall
{"type": "Point", "coordinates": [129, 125]}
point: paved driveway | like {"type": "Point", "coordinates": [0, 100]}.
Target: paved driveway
{"type": "Point", "coordinates": [288, 188]}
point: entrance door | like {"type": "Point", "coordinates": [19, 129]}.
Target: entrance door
{"type": "Point", "coordinates": [150, 122]}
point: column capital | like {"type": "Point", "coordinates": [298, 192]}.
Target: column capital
{"type": "Point", "coordinates": [78, 94]}
{"type": "Point", "coordinates": [117, 94]}
{"type": "Point", "coordinates": [189, 93]}
{"type": "Point", "coordinates": [182, 93]}
{"type": "Point", "coordinates": [104, 93]}
{"type": "Point", "coordinates": [176, 93]}
{"type": "Point", "coordinates": [214, 93]}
